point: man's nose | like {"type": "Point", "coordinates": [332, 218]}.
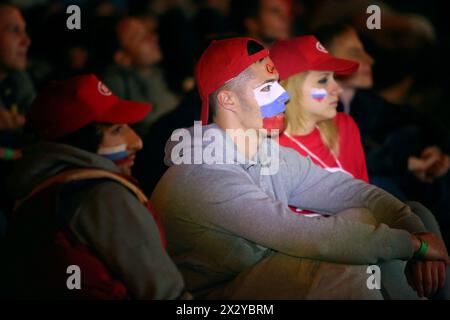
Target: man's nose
{"type": "Point", "coordinates": [134, 141]}
{"type": "Point", "coordinates": [25, 39]}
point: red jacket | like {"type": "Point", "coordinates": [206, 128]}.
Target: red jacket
{"type": "Point", "coordinates": [351, 153]}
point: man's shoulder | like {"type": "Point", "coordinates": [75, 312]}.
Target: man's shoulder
{"type": "Point", "coordinates": [191, 173]}
{"type": "Point", "coordinates": [104, 190]}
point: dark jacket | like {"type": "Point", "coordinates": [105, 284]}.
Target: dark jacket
{"type": "Point", "coordinates": [102, 216]}
{"type": "Point", "coordinates": [392, 133]}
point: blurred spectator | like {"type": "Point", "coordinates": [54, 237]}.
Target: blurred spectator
{"type": "Point", "coordinates": [179, 44]}
{"type": "Point", "coordinates": [135, 74]}
{"type": "Point", "coordinates": [211, 19]}
{"type": "Point", "coordinates": [266, 20]}
{"type": "Point", "coordinates": [16, 91]}
{"type": "Point", "coordinates": [398, 30]}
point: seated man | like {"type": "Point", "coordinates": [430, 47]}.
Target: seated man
{"type": "Point", "coordinates": [79, 206]}
{"type": "Point", "coordinates": [228, 224]}
{"type": "Point", "coordinates": [134, 73]}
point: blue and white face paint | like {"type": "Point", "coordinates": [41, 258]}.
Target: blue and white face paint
{"type": "Point", "coordinates": [114, 153]}
{"type": "Point", "coordinates": [318, 94]}
{"type": "Point", "coordinates": [271, 98]}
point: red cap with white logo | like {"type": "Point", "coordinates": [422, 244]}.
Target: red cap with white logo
{"type": "Point", "coordinates": [65, 106]}
{"type": "Point", "coordinates": [222, 61]}
{"type": "Point", "coordinates": [305, 53]}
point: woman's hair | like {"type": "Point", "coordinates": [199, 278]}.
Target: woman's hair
{"type": "Point", "coordinates": [295, 116]}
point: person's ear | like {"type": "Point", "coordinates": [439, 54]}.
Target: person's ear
{"type": "Point", "coordinates": [122, 59]}
{"type": "Point", "coordinates": [228, 100]}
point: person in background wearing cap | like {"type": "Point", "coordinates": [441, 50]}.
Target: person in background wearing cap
{"type": "Point", "coordinates": [78, 205]}
{"type": "Point", "coordinates": [228, 224]}
{"type": "Point", "coordinates": [314, 128]}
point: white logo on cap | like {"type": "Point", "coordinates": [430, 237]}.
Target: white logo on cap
{"type": "Point", "coordinates": [103, 89]}
{"type": "Point", "coordinates": [320, 47]}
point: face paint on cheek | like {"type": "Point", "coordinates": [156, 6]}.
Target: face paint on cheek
{"type": "Point", "coordinates": [318, 94]}
{"type": "Point", "coordinates": [114, 153]}
{"type": "Point", "coordinates": [274, 123]}
{"type": "Point", "coordinates": [271, 101]}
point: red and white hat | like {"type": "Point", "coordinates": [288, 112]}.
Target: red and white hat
{"type": "Point", "coordinates": [65, 106]}
{"type": "Point", "coordinates": [222, 61]}
{"type": "Point", "coordinates": [305, 53]}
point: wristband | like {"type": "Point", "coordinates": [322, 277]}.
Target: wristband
{"type": "Point", "coordinates": [8, 154]}
{"type": "Point", "coordinates": [420, 254]}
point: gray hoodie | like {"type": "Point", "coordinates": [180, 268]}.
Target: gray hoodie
{"type": "Point", "coordinates": [105, 217]}
{"type": "Point", "coordinates": [223, 218]}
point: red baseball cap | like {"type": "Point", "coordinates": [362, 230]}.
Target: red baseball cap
{"type": "Point", "coordinates": [222, 61]}
{"type": "Point", "coordinates": [307, 53]}
{"type": "Point", "coordinates": [65, 106]}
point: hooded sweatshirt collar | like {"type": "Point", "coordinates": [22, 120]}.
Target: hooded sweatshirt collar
{"type": "Point", "coordinates": [46, 159]}
{"type": "Point", "coordinates": [210, 144]}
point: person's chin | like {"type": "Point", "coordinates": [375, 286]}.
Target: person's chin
{"type": "Point", "coordinates": [19, 65]}
{"type": "Point", "coordinates": [329, 114]}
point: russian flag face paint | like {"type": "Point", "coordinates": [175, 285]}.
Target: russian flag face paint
{"type": "Point", "coordinates": [114, 153]}
{"type": "Point", "coordinates": [318, 94]}
{"type": "Point", "coordinates": [271, 98]}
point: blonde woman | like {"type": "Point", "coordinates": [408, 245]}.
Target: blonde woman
{"type": "Point", "coordinates": [313, 126]}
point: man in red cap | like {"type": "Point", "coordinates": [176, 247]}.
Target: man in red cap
{"type": "Point", "coordinates": [78, 205]}
{"type": "Point", "coordinates": [229, 226]}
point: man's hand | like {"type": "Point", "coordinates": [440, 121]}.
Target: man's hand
{"type": "Point", "coordinates": [425, 277]}
{"type": "Point", "coordinates": [436, 248]}
{"type": "Point", "coordinates": [420, 167]}
{"type": "Point", "coordinates": [10, 120]}
{"type": "Point", "coordinates": [441, 166]}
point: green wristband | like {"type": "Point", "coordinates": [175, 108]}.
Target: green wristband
{"type": "Point", "coordinates": [420, 254]}
{"type": "Point", "coordinates": [8, 154]}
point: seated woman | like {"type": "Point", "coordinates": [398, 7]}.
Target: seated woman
{"type": "Point", "coordinates": [314, 128]}
{"type": "Point", "coordinates": [407, 150]}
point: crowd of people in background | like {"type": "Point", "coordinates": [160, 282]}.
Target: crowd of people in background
{"type": "Point", "coordinates": [392, 128]}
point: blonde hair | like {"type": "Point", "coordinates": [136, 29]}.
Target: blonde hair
{"type": "Point", "coordinates": [295, 115]}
